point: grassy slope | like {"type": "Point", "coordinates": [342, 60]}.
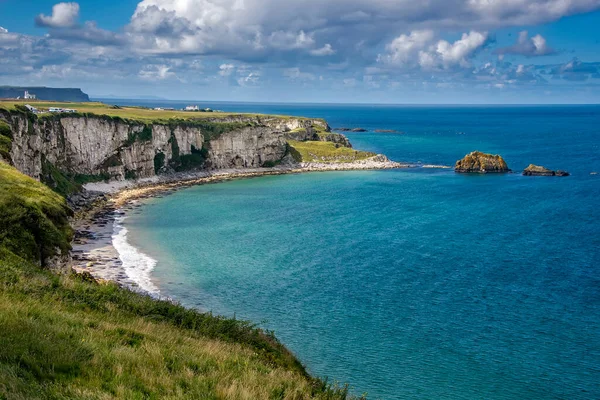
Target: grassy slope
{"type": "Point", "coordinates": [69, 337]}
{"type": "Point", "coordinates": [325, 152]}
{"type": "Point", "coordinates": [132, 113]}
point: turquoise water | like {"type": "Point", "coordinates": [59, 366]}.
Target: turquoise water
{"type": "Point", "coordinates": [409, 284]}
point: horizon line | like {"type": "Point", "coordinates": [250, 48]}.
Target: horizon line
{"type": "Point", "coordinates": [339, 103]}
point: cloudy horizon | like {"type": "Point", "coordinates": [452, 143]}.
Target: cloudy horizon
{"type": "Point", "coordinates": [343, 51]}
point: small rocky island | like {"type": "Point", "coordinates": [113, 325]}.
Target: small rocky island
{"type": "Point", "coordinates": [478, 162]}
{"type": "Point", "coordinates": [537, 170]}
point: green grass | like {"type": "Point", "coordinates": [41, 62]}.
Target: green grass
{"type": "Point", "coordinates": [143, 115]}
{"type": "Point", "coordinates": [325, 152]}
{"type": "Point", "coordinates": [5, 140]}
{"type": "Point", "coordinates": [33, 219]}
{"type": "Point", "coordinates": [69, 337]}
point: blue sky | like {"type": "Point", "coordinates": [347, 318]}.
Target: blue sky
{"type": "Point", "coordinates": [361, 51]}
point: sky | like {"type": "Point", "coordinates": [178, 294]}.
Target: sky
{"type": "Point", "coordinates": [323, 51]}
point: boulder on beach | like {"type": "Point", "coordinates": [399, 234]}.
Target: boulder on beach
{"type": "Point", "coordinates": [538, 170]}
{"type": "Point", "coordinates": [479, 162]}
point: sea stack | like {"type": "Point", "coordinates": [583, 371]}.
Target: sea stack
{"type": "Point", "coordinates": [478, 162]}
{"type": "Point", "coordinates": [537, 170]}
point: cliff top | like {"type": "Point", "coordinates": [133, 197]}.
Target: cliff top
{"type": "Point", "coordinates": [145, 115]}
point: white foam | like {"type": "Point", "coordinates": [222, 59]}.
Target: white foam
{"type": "Point", "coordinates": [137, 266]}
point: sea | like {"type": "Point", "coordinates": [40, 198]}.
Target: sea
{"type": "Point", "coordinates": [406, 284]}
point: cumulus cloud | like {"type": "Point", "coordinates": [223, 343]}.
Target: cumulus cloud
{"type": "Point", "coordinates": [419, 49]}
{"type": "Point", "coordinates": [89, 33]}
{"type": "Point", "coordinates": [64, 15]}
{"type": "Point", "coordinates": [3, 30]}
{"type": "Point", "coordinates": [326, 50]}
{"type": "Point", "coordinates": [528, 46]}
{"type": "Point", "coordinates": [316, 28]}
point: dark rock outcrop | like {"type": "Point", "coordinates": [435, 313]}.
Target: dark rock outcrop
{"type": "Point", "coordinates": [337, 138]}
{"type": "Point", "coordinates": [45, 93]}
{"type": "Point", "coordinates": [479, 162]}
{"type": "Point", "coordinates": [537, 170]}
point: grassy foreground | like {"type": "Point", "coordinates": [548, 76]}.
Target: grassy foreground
{"type": "Point", "coordinates": [325, 152]}
{"type": "Point", "coordinates": [68, 337]}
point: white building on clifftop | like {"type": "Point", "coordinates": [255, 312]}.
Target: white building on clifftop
{"type": "Point", "coordinates": [29, 96]}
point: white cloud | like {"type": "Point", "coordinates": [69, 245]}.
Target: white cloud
{"type": "Point", "coordinates": [252, 79]}
{"type": "Point", "coordinates": [3, 30]}
{"type": "Point", "coordinates": [459, 52]}
{"type": "Point", "coordinates": [156, 72]}
{"type": "Point", "coordinates": [226, 69]}
{"type": "Point", "coordinates": [405, 49]}
{"type": "Point", "coordinates": [297, 75]}
{"type": "Point", "coordinates": [419, 49]}
{"type": "Point", "coordinates": [326, 50]}
{"type": "Point", "coordinates": [256, 28]}
{"type": "Point", "coordinates": [64, 15]}
{"type": "Point", "coordinates": [529, 47]}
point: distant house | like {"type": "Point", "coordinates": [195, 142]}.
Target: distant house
{"type": "Point", "coordinates": [29, 96]}
{"type": "Point", "coordinates": [192, 108]}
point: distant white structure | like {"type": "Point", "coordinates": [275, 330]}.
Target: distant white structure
{"type": "Point", "coordinates": [29, 96]}
{"type": "Point", "coordinates": [61, 110]}
{"type": "Point", "coordinates": [192, 108]}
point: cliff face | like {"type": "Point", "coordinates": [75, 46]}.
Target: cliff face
{"type": "Point", "coordinates": [113, 148]}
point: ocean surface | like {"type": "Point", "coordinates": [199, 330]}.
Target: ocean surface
{"type": "Point", "coordinates": [407, 284]}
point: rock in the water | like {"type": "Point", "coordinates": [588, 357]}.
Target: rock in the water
{"type": "Point", "coordinates": [359, 130]}
{"type": "Point", "coordinates": [481, 163]}
{"type": "Point", "coordinates": [537, 170]}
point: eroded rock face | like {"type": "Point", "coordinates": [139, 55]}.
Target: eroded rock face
{"type": "Point", "coordinates": [97, 145]}
{"type": "Point", "coordinates": [337, 138]}
{"type": "Point", "coordinates": [537, 170]}
{"type": "Point", "coordinates": [478, 162]}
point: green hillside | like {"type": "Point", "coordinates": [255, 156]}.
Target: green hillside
{"type": "Point", "coordinates": [69, 337]}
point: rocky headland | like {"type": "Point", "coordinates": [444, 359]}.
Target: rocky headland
{"type": "Point", "coordinates": [537, 170]}
{"type": "Point", "coordinates": [478, 162]}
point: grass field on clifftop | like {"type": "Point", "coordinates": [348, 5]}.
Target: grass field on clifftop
{"type": "Point", "coordinates": [325, 152]}
{"type": "Point", "coordinates": [132, 113]}
{"type": "Point", "coordinates": [68, 337]}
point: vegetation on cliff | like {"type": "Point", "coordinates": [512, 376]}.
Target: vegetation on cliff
{"type": "Point", "coordinates": [325, 152]}
{"type": "Point", "coordinates": [481, 163]}
{"type": "Point", "coordinates": [5, 140]}
{"type": "Point", "coordinates": [34, 221]}
{"type": "Point", "coordinates": [67, 336]}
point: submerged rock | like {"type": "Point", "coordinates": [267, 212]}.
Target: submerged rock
{"type": "Point", "coordinates": [481, 163]}
{"type": "Point", "coordinates": [537, 170]}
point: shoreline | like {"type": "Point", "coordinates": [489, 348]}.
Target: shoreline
{"type": "Point", "coordinates": [97, 228]}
